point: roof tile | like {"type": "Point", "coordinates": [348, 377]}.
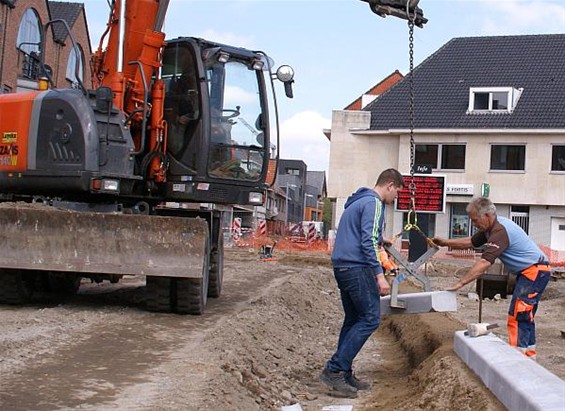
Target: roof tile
{"type": "Point", "coordinates": [443, 80]}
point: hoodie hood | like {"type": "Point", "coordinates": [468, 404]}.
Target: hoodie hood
{"type": "Point", "coordinates": [361, 193]}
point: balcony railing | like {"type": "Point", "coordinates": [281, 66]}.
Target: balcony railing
{"type": "Point", "coordinates": [31, 66]}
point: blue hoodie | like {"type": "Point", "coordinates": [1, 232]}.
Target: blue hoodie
{"type": "Point", "coordinates": [360, 231]}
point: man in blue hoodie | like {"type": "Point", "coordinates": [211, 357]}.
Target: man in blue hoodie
{"type": "Point", "coordinates": [360, 277]}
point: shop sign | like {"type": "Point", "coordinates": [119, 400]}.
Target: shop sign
{"type": "Point", "coordinates": [460, 189]}
{"type": "Point", "coordinates": [485, 190]}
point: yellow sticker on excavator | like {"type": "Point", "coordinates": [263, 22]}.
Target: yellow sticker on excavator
{"type": "Point", "coordinates": [9, 137]}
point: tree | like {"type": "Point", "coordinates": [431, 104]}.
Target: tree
{"type": "Point", "coordinates": [327, 216]}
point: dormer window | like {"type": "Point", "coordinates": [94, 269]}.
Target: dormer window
{"type": "Point", "coordinates": [493, 99]}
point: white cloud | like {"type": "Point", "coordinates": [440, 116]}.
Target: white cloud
{"type": "Point", "coordinates": [302, 139]}
{"type": "Point", "coordinates": [237, 96]}
{"type": "Point", "coordinates": [524, 16]}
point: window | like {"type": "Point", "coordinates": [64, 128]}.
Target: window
{"type": "Point", "coordinates": [237, 121]}
{"type": "Point", "coordinates": [453, 157]}
{"type": "Point", "coordinates": [558, 158]}
{"type": "Point", "coordinates": [29, 43]}
{"type": "Point", "coordinates": [459, 221]}
{"type": "Point", "coordinates": [426, 154]}
{"type": "Point", "coordinates": [293, 171]}
{"type": "Point", "coordinates": [507, 157]}
{"type": "Point", "coordinates": [521, 216]}
{"type": "Point", "coordinates": [29, 33]}
{"type": "Point", "coordinates": [75, 56]}
{"type": "Point", "coordinates": [448, 156]}
{"type": "Point", "coordinates": [182, 105]}
{"type": "Point", "coordinates": [493, 99]}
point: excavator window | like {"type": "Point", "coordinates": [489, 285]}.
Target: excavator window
{"type": "Point", "coordinates": [237, 138]}
{"type": "Point", "coordinates": [182, 102]}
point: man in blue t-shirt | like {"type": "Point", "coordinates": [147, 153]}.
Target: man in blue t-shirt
{"type": "Point", "coordinates": [504, 239]}
{"type": "Point", "coordinates": [360, 278]}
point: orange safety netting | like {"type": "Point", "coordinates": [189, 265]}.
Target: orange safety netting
{"type": "Point", "coordinates": [294, 244]}
{"type": "Point", "coordinates": [286, 244]}
{"type": "Point", "coordinates": [556, 257]}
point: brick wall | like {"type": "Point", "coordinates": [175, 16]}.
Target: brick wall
{"type": "Point", "coordinates": [56, 55]}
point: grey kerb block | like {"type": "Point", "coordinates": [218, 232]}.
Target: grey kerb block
{"type": "Point", "coordinates": [518, 382]}
{"type": "Point", "coordinates": [425, 302]}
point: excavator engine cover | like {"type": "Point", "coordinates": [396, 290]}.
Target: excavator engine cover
{"type": "Point", "coordinates": [41, 237]}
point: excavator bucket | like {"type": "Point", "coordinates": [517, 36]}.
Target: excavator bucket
{"type": "Point", "coordinates": [40, 237]}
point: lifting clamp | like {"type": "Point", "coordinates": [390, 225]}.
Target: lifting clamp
{"type": "Point", "coordinates": [411, 268]}
{"type": "Point", "coordinates": [404, 9]}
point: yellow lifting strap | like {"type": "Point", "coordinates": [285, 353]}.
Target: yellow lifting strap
{"type": "Point", "coordinates": [412, 224]}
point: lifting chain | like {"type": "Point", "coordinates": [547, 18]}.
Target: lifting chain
{"type": "Point", "coordinates": [412, 185]}
{"type": "Point", "coordinates": [412, 218]}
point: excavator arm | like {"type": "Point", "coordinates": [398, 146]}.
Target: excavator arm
{"type": "Point", "coordinates": [404, 9]}
{"type": "Point", "coordinates": [134, 35]}
{"type": "Point", "coordinates": [128, 64]}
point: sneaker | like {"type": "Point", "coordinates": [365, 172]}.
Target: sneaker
{"type": "Point", "coordinates": [356, 382]}
{"type": "Point", "coordinates": [336, 381]}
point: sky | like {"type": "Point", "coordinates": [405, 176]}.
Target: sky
{"type": "Point", "coordinates": [339, 49]}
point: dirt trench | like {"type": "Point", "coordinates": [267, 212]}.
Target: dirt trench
{"type": "Point", "coordinates": [260, 346]}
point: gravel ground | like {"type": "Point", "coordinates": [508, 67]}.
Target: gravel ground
{"type": "Point", "coordinates": [260, 346]}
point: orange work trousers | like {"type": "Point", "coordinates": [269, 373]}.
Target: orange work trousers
{"type": "Point", "coordinates": [530, 284]}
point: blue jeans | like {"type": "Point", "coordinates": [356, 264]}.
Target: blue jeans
{"type": "Point", "coordinates": [361, 305]}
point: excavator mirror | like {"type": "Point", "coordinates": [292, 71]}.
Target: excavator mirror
{"type": "Point", "coordinates": [288, 89]}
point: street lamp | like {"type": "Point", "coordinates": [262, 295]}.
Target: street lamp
{"type": "Point", "coordinates": [306, 195]}
{"type": "Point", "coordinates": [287, 186]}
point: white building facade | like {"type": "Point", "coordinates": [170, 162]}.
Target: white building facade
{"type": "Point", "coordinates": [504, 134]}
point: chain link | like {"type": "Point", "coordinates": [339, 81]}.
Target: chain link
{"type": "Point", "coordinates": [412, 185]}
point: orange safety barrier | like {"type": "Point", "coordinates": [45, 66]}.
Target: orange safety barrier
{"type": "Point", "coordinates": [291, 244]}
{"type": "Point", "coordinates": [556, 257]}
{"type": "Point", "coordinates": [288, 244]}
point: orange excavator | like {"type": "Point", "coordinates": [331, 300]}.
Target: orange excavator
{"type": "Point", "coordinates": [137, 175]}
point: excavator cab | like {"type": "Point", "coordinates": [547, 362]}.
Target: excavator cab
{"type": "Point", "coordinates": [218, 111]}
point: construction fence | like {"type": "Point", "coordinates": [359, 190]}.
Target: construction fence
{"type": "Point", "coordinates": [307, 241]}
{"type": "Point", "coordinates": [288, 238]}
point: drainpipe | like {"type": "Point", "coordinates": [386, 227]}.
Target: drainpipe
{"type": "Point", "coordinates": [5, 12]}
